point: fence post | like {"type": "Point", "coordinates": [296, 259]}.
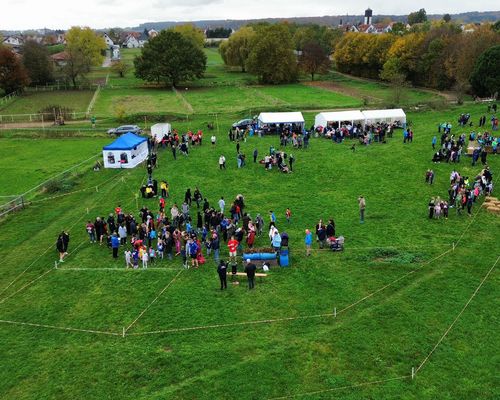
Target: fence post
{"type": "Point", "coordinates": [123, 332]}
{"type": "Point", "coordinates": [335, 312]}
{"type": "Point", "coordinates": [412, 373]}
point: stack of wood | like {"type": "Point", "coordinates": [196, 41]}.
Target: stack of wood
{"type": "Point", "coordinates": [492, 204]}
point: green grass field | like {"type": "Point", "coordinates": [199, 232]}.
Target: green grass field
{"type": "Point", "coordinates": [393, 301]}
{"type": "Point", "coordinates": [34, 102]}
{"type": "Point", "coordinates": [61, 329]}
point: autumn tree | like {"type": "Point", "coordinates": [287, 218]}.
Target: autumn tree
{"type": "Point", "coordinates": [192, 33]}
{"type": "Point", "coordinates": [37, 63]}
{"type": "Point", "coordinates": [271, 56]}
{"type": "Point", "coordinates": [120, 68]}
{"type": "Point", "coordinates": [13, 75]}
{"type": "Point", "coordinates": [314, 60]}
{"type": "Point", "coordinates": [236, 49]}
{"type": "Point", "coordinates": [417, 17]}
{"type": "Point", "coordinates": [171, 58]}
{"type": "Point", "coordinates": [485, 77]}
{"type": "Point", "coordinates": [84, 49]}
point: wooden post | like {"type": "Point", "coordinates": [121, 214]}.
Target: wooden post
{"type": "Point", "coordinates": [412, 373]}
{"type": "Point", "coordinates": [335, 312]}
{"type": "Point", "coordinates": [123, 332]}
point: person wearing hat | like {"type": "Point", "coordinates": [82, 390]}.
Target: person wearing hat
{"type": "Point", "coordinates": [250, 269]}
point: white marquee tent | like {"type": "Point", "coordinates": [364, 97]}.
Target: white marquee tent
{"type": "Point", "coordinates": [281, 118]}
{"type": "Point", "coordinates": [325, 118]}
{"type": "Point", "coordinates": [128, 151]}
{"type": "Point", "coordinates": [391, 115]}
{"type": "Point", "coordinates": [160, 130]}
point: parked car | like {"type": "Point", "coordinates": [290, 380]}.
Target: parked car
{"type": "Point", "coordinates": [125, 129]}
{"type": "Point", "coordinates": [242, 124]}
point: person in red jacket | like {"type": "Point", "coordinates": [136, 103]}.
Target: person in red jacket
{"type": "Point", "coordinates": [232, 245]}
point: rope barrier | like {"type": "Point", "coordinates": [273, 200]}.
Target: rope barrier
{"type": "Point", "coordinates": [45, 251]}
{"type": "Point", "coordinates": [25, 286]}
{"type": "Point", "coordinates": [284, 319]}
{"type": "Point", "coordinates": [122, 269]}
{"type": "Point", "coordinates": [357, 385]}
{"type": "Point", "coordinates": [457, 317]}
{"type": "Point", "coordinates": [150, 304]}
{"type": "Point", "coordinates": [64, 328]}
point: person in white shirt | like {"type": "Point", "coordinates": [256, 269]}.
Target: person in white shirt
{"type": "Point", "coordinates": [145, 258]}
{"type": "Point", "coordinates": [213, 139]}
{"type": "Point", "coordinates": [222, 204]}
{"type": "Point", "coordinates": [222, 162]}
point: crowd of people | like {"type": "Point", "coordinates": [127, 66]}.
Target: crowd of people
{"type": "Point", "coordinates": [463, 193]}
{"type": "Point", "coordinates": [366, 134]}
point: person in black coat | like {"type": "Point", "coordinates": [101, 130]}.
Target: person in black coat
{"type": "Point", "coordinates": [330, 228]}
{"type": "Point", "coordinates": [250, 271]}
{"type": "Point", "coordinates": [62, 245]}
{"type": "Point", "coordinates": [222, 271]}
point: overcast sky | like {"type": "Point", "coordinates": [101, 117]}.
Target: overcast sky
{"type": "Point", "coordinates": [31, 14]}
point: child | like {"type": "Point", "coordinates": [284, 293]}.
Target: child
{"type": "Point", "coordinates": [288, 214]}
{"type": "Point", "coordinates": [135, 259]}
{"type": "Point", "coordinates": [144, 259]}
{"type": "Point", "coordinates": [152, 255]}
{"type": "Point", "coordinates": [128, 259]}
{"type": "Point", "coordinates": [159, 249]}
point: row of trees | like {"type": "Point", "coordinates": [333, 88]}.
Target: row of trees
{"type": "Point", "coordinates": [440, 57]}
{"type": "Point", "coordinates": [84, 49]}
{"type": "Point", "coordinates": [276, 53]}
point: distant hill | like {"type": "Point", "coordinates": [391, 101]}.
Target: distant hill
{"type": "Point", "coordinates": [330, 20]}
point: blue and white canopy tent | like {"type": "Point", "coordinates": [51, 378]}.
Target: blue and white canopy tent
{"type": "Point", "coordinates": [128, 151]}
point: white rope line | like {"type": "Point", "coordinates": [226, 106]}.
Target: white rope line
{"type": "Point", "coordinates": [167, 269]}
{"type": "Point", "coordinates": [395, 281]}
{"type": "Point", "coordinates": [25, 286]}
{"type": "Point", "coordinates": [341, 387]}
{"type": "Point", "coordinates": [27, 268]}
{"type": "Point", "coordinates": [285, 319]}
{"type": "Point", "coordinates": [457, 317]}
{"type": "Point", "coordinates": [70, 193]}
{"type": "Point", "coordinates": [45, 252]}
{"type": "Point", "coordinates": [64, 328]}
{"type": "Point", "coordinates": [156, 298]}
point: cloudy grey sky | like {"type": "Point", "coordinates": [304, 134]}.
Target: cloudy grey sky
{"type": "Point", "coordinates": [26, 14]}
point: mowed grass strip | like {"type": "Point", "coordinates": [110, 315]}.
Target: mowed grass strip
{"type": "Point", "coordinates": [35, 102]}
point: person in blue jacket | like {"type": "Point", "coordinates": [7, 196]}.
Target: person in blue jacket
{"type": "Point", "coordinates": [115, 244]}
{"type": "Point", "coordinates": [308, 241]}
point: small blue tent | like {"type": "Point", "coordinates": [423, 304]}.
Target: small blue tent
{"type": "Point", "coordinates": [127, 151]}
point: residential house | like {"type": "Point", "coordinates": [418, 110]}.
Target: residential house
{"type": "Point", "coordinates": [59, 59]}
{"type": "Point", "coordinates": [108, 40]}
{"type": "Point", "coordinates": [135, 40]}
{"type": "Point", "coordinates": [14, 41]}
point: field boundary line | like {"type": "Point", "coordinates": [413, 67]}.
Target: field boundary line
{"type": "Point", "coordinates": [356, 385]}
{"type": "Point", "coordinates": [299, 317]}
{"type": "Point", "coordinates": [154, 300]}
{"type": "Point", "coordinates": [169, 269]}
{"type": "Point", "coordinates": [458, 316]}
{"type": "Point", "coordinates": [48, 248]}
{"type": "Point", "coordinates": [64, 328]}
{"type": "Point", "coordinates": [25, 286]}
{"type": "Point", "coordinates": [184, 101]}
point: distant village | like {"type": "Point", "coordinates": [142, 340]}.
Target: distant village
{"type": "Point", "coordinates": [117, 38]}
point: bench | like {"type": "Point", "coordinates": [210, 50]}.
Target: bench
{"type": "Point", "coordinates": [257, 274]}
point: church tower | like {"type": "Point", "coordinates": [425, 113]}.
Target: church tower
{"type": "Point", "coordinates": [368, 16]}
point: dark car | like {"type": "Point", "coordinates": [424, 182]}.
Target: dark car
{"type": "Point", "coordinates": [243, 124]}
{"type": "Point", "coordinates": [125, 129]}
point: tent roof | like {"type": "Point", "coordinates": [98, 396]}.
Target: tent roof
{"type": "Point", "coordinates": [352, 115]}
{"type": "Point", "coordinates": [391, 113]}
{"type": "Point", "coordinates": [281, 117]}
{"type": "Point", "coordinates": [125, 142]}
